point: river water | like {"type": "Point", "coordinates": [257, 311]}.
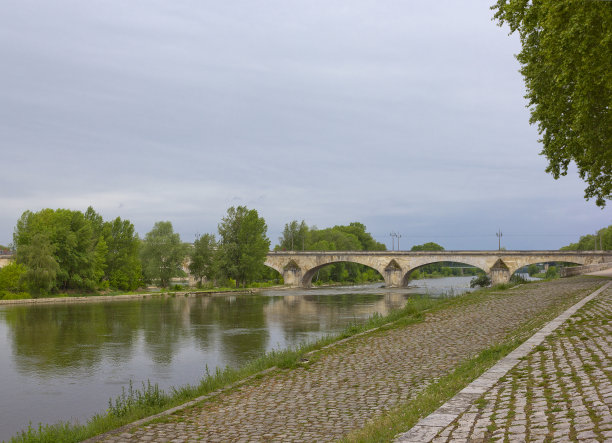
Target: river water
{"type": "Point", "coordinates": [64, 361]}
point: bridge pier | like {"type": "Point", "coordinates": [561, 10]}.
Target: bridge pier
{"type": "Point", "coordinates": [499, 273]}
{"type": "Point", "coordinates": [292, 274]}
{"type": "Point", "coordinates": [393, 275]}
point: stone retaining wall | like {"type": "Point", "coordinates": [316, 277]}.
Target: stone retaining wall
{"type": "Point", "coordinates": [579, 270]}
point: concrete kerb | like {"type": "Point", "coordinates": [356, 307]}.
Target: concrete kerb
{"type": "Point", "coordinates": [427, 428]}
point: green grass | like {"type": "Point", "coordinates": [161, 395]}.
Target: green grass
{"type": "Point", "coordinates": [134, 404]}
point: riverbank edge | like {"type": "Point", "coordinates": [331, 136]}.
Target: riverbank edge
{"type": "Point", "coordinates": [120, 297]}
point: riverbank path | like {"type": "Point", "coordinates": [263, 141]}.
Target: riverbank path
{"type": "Point", "coordinates": [361, 378]}
{"type": "Point", "coordinates": [560, 391]}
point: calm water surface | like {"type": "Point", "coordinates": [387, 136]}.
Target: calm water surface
{"type": "Point", "coordinates": [63, 362]}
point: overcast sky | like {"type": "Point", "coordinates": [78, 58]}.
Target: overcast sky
{"type": "Point", "coordinates": [405, 116]}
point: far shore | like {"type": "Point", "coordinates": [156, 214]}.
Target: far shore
{"type": "Point", "coordinates": [118, 297]}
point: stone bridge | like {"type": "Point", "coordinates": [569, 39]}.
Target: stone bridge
{"type": "Point", "coordinates": [298, 268]}
{"type": "Point", "coordinates": [5, 259]}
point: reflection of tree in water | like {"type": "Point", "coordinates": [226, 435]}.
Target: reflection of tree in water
{"type": "Point", "coordinates": [63, 339]}
{"type": "Point", "coordinates": [312, 313]}
{"type": "Point", "coordinates": [70, 337]}
{"type": "Point", "coordinates": [165, 323]}
{"type": "Point", "coordinates": [242, 323]}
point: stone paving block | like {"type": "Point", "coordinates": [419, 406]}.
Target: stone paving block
{"type": "Point", "coordinates": [558, 383]}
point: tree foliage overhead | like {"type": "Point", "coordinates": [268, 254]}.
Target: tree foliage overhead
{"type": "Point", "coordinates": [566, 60]}
{"type": "Point", "coordinates": [243, 244]}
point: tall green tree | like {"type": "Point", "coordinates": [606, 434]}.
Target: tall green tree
{"type": "Point", "coordinates": [566, 60]}
{"type": "Point", "coordinates": [202, 255]}
{"type": "Point", "coordinates": [11, 277]}
{"type": "Point", "coordinates": [41, 265]}
{"type": "Point", "coordinates": [163, 254]}
{"type": "Point", "coordinates": [243, 244]}
{"type": "Point", "coordinates": [71, 241]}
{"type": "Point", "coordinates": [123, 267]}
{"type": "Point", "coordinates": [294, 236]}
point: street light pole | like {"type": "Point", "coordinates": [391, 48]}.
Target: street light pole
{"type": "Point", "coordinates": [499, 236]}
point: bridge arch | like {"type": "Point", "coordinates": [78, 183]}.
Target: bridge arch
{"type": "Point", "coordinates": [539, 262]}
{"type": "Point", "coordinates": [310, 274]}
{"type": "Point", "coordinates": [406, 277]}
{"type": "Point", "coordinates": [527, 260]}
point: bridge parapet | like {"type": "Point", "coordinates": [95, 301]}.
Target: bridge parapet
{"type": "Point", "coordinates": [298, 268]}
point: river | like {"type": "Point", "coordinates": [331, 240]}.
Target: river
{"type": "Point", "coordinates": [64, 361]}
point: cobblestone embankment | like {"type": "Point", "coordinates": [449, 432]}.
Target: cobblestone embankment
{"type": "Point", "coordinates": [561, 391]}
{"type": "Point", "coordinates": [361, 378]}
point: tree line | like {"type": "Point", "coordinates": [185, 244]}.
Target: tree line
{"type": "Point", "coordinates": [601, 240]}
{"type": "Point", "coordinates": [62, 250]}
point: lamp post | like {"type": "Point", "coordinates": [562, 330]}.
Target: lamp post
{"type": "Point", "coordinates": [499, 236]}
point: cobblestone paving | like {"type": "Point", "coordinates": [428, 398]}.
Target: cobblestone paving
{"type": "Point", "coordinates": [361, 378]}
{"type": "Point", "coordinates": [562, 391]}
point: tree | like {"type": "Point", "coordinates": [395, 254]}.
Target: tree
{"type": "Point", "coordinates": [163, 254]}
{"type": "Point", "coordinates": [202, 257]}
{"type": "Point", "coordinates": [566, 60]}
{"type": "Point", "coordinates": [602, 240]}
{"type": "Point", "coordinates": [294, 237]}
{"type": "Point", "coordinates": [11, 277]}
{"type": "Point", "coordinates": [243, 244]}
{"type": "Point", "coordinates": [123, 267]}
{"type": "Point", "coordinates": [71, 242]}
{"type": "Point", "coordinates": [40, 263]}
{"type": "Point", "coordinates": [532, 270]}
{"type": "Point", "coordinates": [429, 246]}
